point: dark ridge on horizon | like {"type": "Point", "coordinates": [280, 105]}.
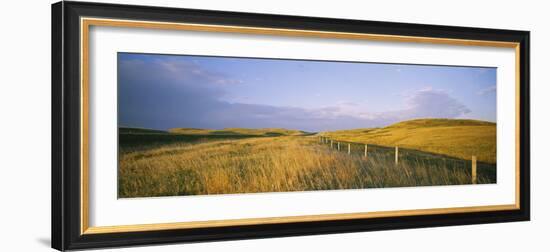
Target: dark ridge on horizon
{"type": "Point", "coordinates": [421, 122]}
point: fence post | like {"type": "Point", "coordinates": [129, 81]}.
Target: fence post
{"type": "Point", "coordinates": [338, 146]}
{"type": "Point", "coordinates": [396, 155]}
{"type": "Point", "coordinates": [349, 149]}
{"type": "Point", "coordinates": [366, 148]}
{"type": "Point", "coordinates": [331, 142]}
{"type": "Point", "coordinates": [474, 170]}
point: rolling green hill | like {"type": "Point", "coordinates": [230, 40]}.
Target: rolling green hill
{"type": "Point", "coordinates": [141, 138]}
{"type": "Point", "coordinates": [456, 138]}
{"type": "Point", "coordinates": [129, 130]}
{"type": "Point", "coordinates": [239, 131]}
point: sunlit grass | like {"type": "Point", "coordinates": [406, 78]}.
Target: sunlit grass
{"type": "Point", "coordinates": [270, 164]}
{"type": "Point", "coordinates": [456, 138]}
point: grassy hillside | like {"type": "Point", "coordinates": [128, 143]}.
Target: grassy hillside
{"type": "Point", "coordinates": [129, 130]}
{"type": "Point", "coordinates": [456, 138]}
{"type": "Point", "coordinates": [239, 131]}
{"type": "Point", "coordinates": [140, 138]}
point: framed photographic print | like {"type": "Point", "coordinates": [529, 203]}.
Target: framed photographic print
{"type": "Point", "coordinates": [180, 125]}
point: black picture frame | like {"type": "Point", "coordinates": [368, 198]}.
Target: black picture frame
{"type": "Point", "coordinates": [66, 155]}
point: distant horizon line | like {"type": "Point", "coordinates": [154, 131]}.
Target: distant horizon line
{"type": "Point", "coordinates": [418, 119]}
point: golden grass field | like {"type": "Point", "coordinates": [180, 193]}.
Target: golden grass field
{"type": "Point", "coordinates": [456, 138]}
{"type": "Point", "coordinates": [282, 164]}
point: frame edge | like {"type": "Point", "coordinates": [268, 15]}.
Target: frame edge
{"type": "Point", "coordinates": [525, 127]}
{"type": "Point", "coordinates": [56, 126]}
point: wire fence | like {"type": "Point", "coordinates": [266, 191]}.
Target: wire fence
{"type": "Point", "coordinates": [400, 155]}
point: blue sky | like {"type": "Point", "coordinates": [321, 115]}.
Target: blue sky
{"type": "Point", "coordinates": [168, 91]}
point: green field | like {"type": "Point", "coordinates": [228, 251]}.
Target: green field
{"type": "Point", "coordinates": [187, 161]}
{"type": "Point", "coordinates": [240, 131]}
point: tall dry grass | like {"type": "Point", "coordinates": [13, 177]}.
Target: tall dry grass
{"type": "Point", "coordinates": [274, 164]}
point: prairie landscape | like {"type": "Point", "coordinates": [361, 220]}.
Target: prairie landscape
{"type": "Point", "coordinates": [198, 161]}
{"type": "Point", "coordinates": [203, 125]}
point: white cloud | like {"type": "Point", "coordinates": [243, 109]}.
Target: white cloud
{"type": "Point", "coordinates": [434, 103]}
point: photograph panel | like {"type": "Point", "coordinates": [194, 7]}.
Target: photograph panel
{"type": "Point", "coordinates": [199, 125]}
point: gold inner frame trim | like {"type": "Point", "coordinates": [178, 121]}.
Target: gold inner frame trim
{"type": "Point", "coordinates": [288, 219]}
{"type": "Point", "coordinates": [85, 24]}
